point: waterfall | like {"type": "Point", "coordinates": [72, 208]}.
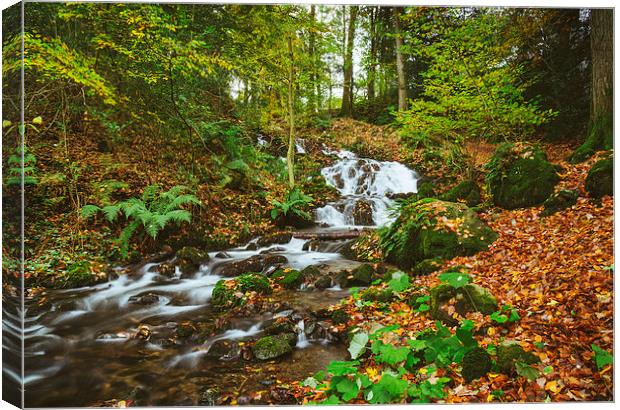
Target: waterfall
{"type": "Point", "coordinates": [302, 340]}
{"type": "Point", "coordinates": [365, 185]}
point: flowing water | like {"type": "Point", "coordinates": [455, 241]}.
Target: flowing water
{"type": "Point", "coordinates": [81, 347]}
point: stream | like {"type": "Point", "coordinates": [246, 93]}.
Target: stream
{"type": "Point", "coordinates": [80, 344]}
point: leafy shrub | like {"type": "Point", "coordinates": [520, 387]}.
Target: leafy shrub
{"type": "Point", "coordinates": [15, 168]}
{"type": "Point", "coordinates": [153, 211]}
{"type": "Point", "coordinates": [295, 203]}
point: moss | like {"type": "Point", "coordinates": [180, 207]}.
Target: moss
{"type": "Point", "coordinates": [476, 363]}
{"type": "Point", "coordinates": [226, 292]}
{"type": "Point", "coordinates": [479, 298]}
{"type": "Point", "coordinates": [428, 266]}
{"type": "Point", "coordinates": [600, 179]}
{"type": "Point", "coordinates": [431, 228]}
{"type": "Point", "coordinates": [559, 201]}
{"type": "Point", "coordinates": [323, 282]}
{"type": "Point", "coordinates": [311, 271]}
{"type": "Point", "coordinates": [271, 347]}
{"type": "Point", "coordinates": [221, 295]}
{"type": "Point", "coordinates": [291, 279]}
{"type": "Point", "coordinates": [467, 191]}
{"type": "Point", "coordinates": [191, 258]}
{"type": "Point", "coordinates": [600, 138]}
{"type": "Point", "coordinates": [339, 316]}
{"type": "Point", "coordinates": [253, 282]}
{"type": "Point", "coordinates": [426, 190]}
{"type": "Point", "coordinates": [439, 295]}
{"type": "Point", "coordinates": [362, 275]}
{"type": "Point", "coordinates": [508, 353]}
{"type": "Point", "coordinates": [377, 295]}
{"type": "Point", "coordinates": [520, 176]}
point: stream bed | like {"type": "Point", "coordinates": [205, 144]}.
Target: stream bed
{"type": "Point", "coordinates": [81, 345]}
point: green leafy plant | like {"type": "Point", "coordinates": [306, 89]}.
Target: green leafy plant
{"type": "Point", "coordinates": [455, 279]}
{"type": "Point", "coordinates": [399, 282]}
{"type": "Point", "coordinates": [153, 211]}
{"type": "Point", "coordinates": [602, 357]}
{"type": "Point", "coordinates": [295, 203]}
{"type": "Point", "coordinates": [507, 314]}
{"type": "Point", "coordinates": [16, 170]}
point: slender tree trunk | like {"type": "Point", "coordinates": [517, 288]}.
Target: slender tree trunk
{"type": "Point", "coordinates": [313, 104]}
{"type": "Point", "coordinates": [347, 89]}
{"type": "Point", "coordinates": [600, 129]}
{"type": "Point", "coordinates": [400, 65]}
{"type": "Point", "coordinates": [372, 68]}
{"type": "Point", "coordinates": [290, 156]}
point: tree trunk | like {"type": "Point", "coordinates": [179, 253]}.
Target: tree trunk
{"type": "Point", "coordinates": [400, 65]}
{"type": "Point", "coordinates": [290, 156]}
{"type": "Point", "coordinates": [372, 68]}
{"type": "Point", "coordinates": [347, 89]}
{"type": "Point", "coordinates": [600, 129]}
{"type": "Point", "coordinates": [313, 100]}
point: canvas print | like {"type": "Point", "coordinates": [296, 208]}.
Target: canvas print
{"type": "Point", "coordinates": [293, 204]}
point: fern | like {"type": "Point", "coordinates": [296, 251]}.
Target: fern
{"type": "Point", "coordinates": [153, 211]}
{"type": "Point", "coordinates": [295, 203]}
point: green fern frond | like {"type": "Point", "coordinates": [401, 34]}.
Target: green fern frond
{"type": "Point", "coordinates": [179, 215]}
{"type": "Point", "coordinates": [89, 210]}
{"type": "Point", "coordinates": [111, 212]}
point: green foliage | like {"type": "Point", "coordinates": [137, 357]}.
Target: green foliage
{"type": "Point", "coordinates": [296, 203]}
{"type": "Point", "coordinates": [16, 170]}
{"type": "Point", "coordinates": [601, 357]}
{"type": "Point", "coordinates": [357, 347]}
{"type": "Point", "coordinates": [472, 87]}
{"type": "Point", "coordinates": [506, 314]}
{"type": "Point", "coordinates": [455, 279]}
{"type": "Point", "coordinates": [153, 211]}
{"type": "Point", "coordinates": [399, 282]}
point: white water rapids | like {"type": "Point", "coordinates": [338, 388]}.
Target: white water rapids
{"type": "Point", "coordinates": [363, 180]}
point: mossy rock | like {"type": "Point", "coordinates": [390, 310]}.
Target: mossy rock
{"type": "Point", "coordinates": [510, 352]}
{"type": "Point", "coordinates": [271, 347]}
{"type": "Point", "coordinates": [467, 191]}
{"type": "Point", "coordinates": [280, 326]}
{"type": "Point", "coordinates": [428, 266]}
{"type": "Point", "coordinates": [426, 190]}
{"type": "Point", "coordinates": [339, 316]}
{"type": "Point", "coordinates": [431, 228]}
{"type": "Point", "coordinates": [291, 279]}
{"type": "Point", "coordinates": [362, 275]}
{"type": "Point", "coordinates": [377, 295]}
{"type": "Point", "coordinates": [226, 293]}
{"type": "Point", "coordinates": [412, 300]}
{"type": "Point", "coordinates": [480, 299]}
{"type": "Point", "coordinates": [520, 176]}
{"type": "Point", "coordinates": [190, 259]}
{"type": "Point", "coordinates": [600, 138]}
{"type": "Point", "coordinates": [600, 179]}
{"type": "Point", "coordinates": [310, 272]}
{"type": "Point", "coordinates": [559, 201]}
{"type": "Point", "coordinates": [438, 296]}
{"type": "Point", "coordinates": [476, 363]}
{"type": "Point", "coordinates": [323, 282]}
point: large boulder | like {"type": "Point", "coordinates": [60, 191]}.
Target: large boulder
{"type": "Point", "coordinates": [271, 347]}
{"type": "Point", "coordinates": [431, 228]}
{"type": "Point", "coordinates": [469, 298]}
{"type": "Point", "coordinates": [289, 278]}
{"type": "Point", "coordinates": [363, 275]}
{"type": "Point", "coordinates": [189, 259]}
{"type": "Point", "coordinates": [362, 213]}
{"type": "Point", "coordinates": [509, 353]}
{"type": "Point", "coordinates": [476, 363]}
{"type": "Point", "coordinates": [600, 179]}
{"type": "Point", "coordinates": [520, 176]}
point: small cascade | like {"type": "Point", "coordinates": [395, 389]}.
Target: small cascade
{"type": "Point", "coordinates": [365, 185]}
{"type": "Point", "coordinates": [300, 146]}
{"type": "Point", "coordinates": [302, 340]}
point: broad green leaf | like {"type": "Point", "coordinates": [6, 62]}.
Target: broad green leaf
{"type": "Point", "coordinates": [358, 345]}
{"type": "Point", "coordinates": [455, 279]}
{"type": "Point", "coordinates": [602, 357]}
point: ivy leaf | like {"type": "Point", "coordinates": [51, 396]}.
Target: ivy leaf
{"type": "Point", "coordinates": [455, 279]}
{"type": "Point", "coordinates": [602, 357]}
{"type": "Point", "coordinates": [358, 345]}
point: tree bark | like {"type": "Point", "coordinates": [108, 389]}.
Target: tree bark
{"type": "Point", "coordinates": [372, 68]}
{"type": "Point", "coordinates": [313, 100]}
{"type": "Point", "coordinates": [400, 65]}
{"type": "Point", "coordinates": [347, 89]}
{"type": "Point", "coordinates": [600, 129]}
{"type": "Point", "coordinates": [290, 156]}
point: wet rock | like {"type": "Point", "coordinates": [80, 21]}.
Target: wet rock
{"type": "Point", "coordinates": [431, 228]}
{"type": "Point", "coordinates": [271, 347]}
{"type": "Point", "coordinates": [222, 255]}
{"type": "Point", "coordinates": [312, 245]}
{"type": "Point", "coordinates": [211, 397]}
{"type": "Point", "coordinates": [224, 350]}
{"type": "Point", "coordinates": [148, 299]}
{"type": "Point", "coordinates": [289, 278]}
{"type": "Point", "coordinates": [276, 238]}
{"type": "Point", "coordinates": [476, 363]}
{"type": "Point", "coordinates": [360, 276]}
{"type": "Point", "coordinates": [185, 330]}
{"type": "Point", "coordinates": [251, 247]}
{"type": "Point", "coordinates": [189, 259]}
{"type": "Point", "coordinates": [272, 250]}
{"type": "Point", "coordinates": [280, 325]}
{"type": "Point", "coordinates": [166, 269]}
{"type": "Point", "coordinates": [339, 316]}
{"type": "Point", "coordinates": [294, 220]}
{"type": "Point", "coordinates": [600, 179]}
{"type": "Point", "coordinates": [362, 213]}
{"type": "Point", "coordinates": [510, 352]}
{"type": "Point", "coordinates": [520, 176]}
{"type": "Point", "coordinates": [323, 282]}
{"type": "Point", "coordinates": [233, 292]}
{"type": "Point", "coordinates": [143, 333]}
{"type": "Point", "coordinates": [377, 295]}
{"type": "Point", "coordinates": [559, 201]}
{"type": "Point", "coordinates": [256, 263]}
